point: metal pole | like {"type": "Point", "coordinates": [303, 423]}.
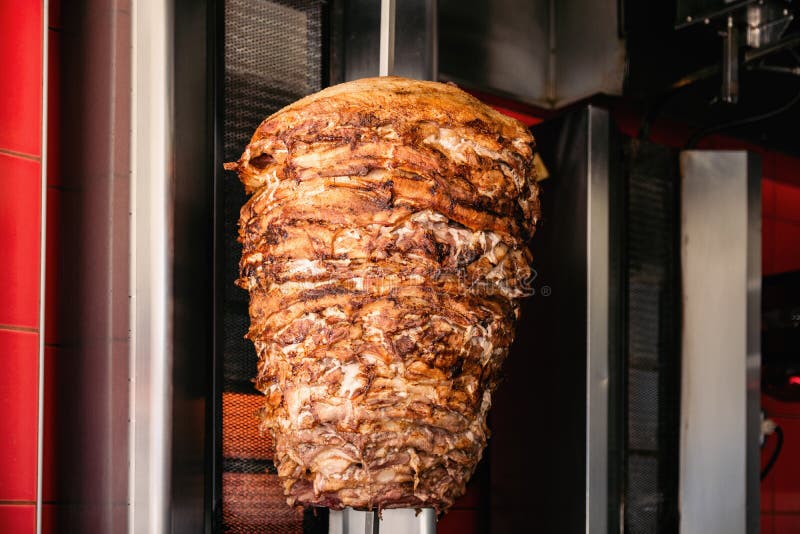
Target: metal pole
{"type": "Point", "coordinates": [730, 63]}
{"type": "Point", "coordinates": [386, 62]}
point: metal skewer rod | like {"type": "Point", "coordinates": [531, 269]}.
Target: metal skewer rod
{"type": "Point", "coordinates": [386, 61]}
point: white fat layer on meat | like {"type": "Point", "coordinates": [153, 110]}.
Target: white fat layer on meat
{"type": "Point", "coordinates": [306, 267]}
{"type": "Point", "coordinates": [334, 312]}
{"type": "Point", "coordinates": [351, 379]}
{"type": "Point", "coordinates": [458, 146]}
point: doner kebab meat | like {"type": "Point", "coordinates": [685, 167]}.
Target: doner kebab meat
{"type": "Point", "coordinates": [384, 250]}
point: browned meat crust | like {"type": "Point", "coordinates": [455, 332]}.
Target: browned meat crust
{"type": "Point", "coordinates": [384, 252]}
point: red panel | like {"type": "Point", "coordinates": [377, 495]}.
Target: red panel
{"type": "Point", "coordinates": [766, 524]}
{"type": "Point", "coordinates": [767, 197]}
{"type": "Point", "coordinates": [49, 429]}
{"type": "Point", "coordinates": [786, 471]}
{"type": "Point", "coordinates": [787, 169]}
{"type": "Point", "coordinates": [54, 16]}
{"type": "Point", "coordinates": [767, 493]}
{"type": "Point", "coordinates": [458, 522]}
{"type": "Point", "coordinates": [17, 519]}
{"type": "Point", "coordinates": [59, 474]}
{"type": "Point", "coordinates": [471, 499]}
{"type": "Point", "coordinates": [21, 76]}
{"type": "Point", "coordinates": [767, 246]}
{"type": "Point", "coordinates": [786, 523]}
{"type": "Point", "coordinates": [50, 519]}
{"type": "Point", "coordinates": [768, 165]}
{"type": "Point", "coordinates": [776, 408]}
{"type": "Point", "coordinates": [524, 118]}
{"type": "Point", "coordinates": [19, 240]}
{"type": "Point", "coordinates": [18, 396]}
{"type": "Point", "coordinates": [787, 246]}
{"type": "Point", "coordinates": [787, 201]}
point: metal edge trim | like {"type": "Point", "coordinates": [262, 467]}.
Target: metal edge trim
{"type": "Point", "coordinates": [597, 319]}
{"type": "Point", "coordinates": [753, 343]}
{"type": "Point", "coordinates": [216, 29]}
{"type": "Point", "coordinates": [150, 304]}
{"type": "Point", "coordinates": [42, 269]}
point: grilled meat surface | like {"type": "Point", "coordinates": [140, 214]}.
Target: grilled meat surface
{"type": "Point", "coordinates": [384, 250]}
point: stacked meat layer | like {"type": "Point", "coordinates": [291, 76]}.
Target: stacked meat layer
{"type": "Point", "coordinates": [384, 252]}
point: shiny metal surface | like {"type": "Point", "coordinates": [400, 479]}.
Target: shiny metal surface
{"type": "Point", "coordinates": [395, 521]}
{"type": "Point", "coordinates": [172, 268]}
{"type": "Point", "coordinates": [545, 52]}
{"type": "Point", "coordinates": [720, 220]}
{"type": "Point", "coordinates": [151, 267]}
{"type": "Point", "coordinates": [87, 346]}
{"type": "Point", "coordinates": [42, 270]}
{"type": "Point", "coordinates": [766, 23]}
{"type": "Point", "coordinates": [598, 325]}
{"type": "Point", "coordinates": [358, 53]}
{"type": "Point", "coordinates": [549, 419]}
{"type": "Point", "coordinates": [387, 38]}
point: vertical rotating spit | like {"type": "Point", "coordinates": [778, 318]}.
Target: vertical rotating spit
{"type": "Point", "coordinates": [357, 65]}
{"type": "Point", "coordinates": [397, 521]}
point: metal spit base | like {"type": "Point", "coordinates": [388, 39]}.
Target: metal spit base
{"type": "Point", "coordinates": [396, 521]}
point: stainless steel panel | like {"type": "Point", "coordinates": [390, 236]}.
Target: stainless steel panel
{"type": "Point", "coordinates": [151, 267]}
{"type": "Point", "coordinates": [172, 146]}
{"type": "Point", "coordinates": [545, 52]}
{"type": "Point", "coordinates": [720, 212]}
{"type": "Point", "coordinates": [415, 42]}
{"type": "Point", "coordinates": [753, 344]}
{"type": "Point", "coordinates": [589, 53]}
{"type": "Point", "coordinates": [42, 269]}
{"type": "Point", "coordinates": [501, 45]}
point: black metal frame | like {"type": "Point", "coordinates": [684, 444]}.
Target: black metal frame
{"type": "Point", "coordinates": [215, 40]}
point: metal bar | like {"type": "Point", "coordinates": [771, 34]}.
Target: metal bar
{"type": "Point", "coordinates": [597, 320]}
{"type": "Point", "coordinates": [386, 60]}
{"type": "Point", "coordinates": [720, 255]}
{"type": "Point", "coordinates": [730, 63]}
{"type": "Point", "coordinates": [151, 313]}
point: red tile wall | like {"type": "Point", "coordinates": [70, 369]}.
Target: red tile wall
{"type": "Point", "coordinates": [21, 84]}
{"type": "Point", "coordinates": [780, 490]}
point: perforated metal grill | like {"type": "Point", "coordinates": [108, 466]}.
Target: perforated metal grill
{"type": "Point", "coordinates": [652, 373]}
{"type": "Point", "coordinates": [272, 57]}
